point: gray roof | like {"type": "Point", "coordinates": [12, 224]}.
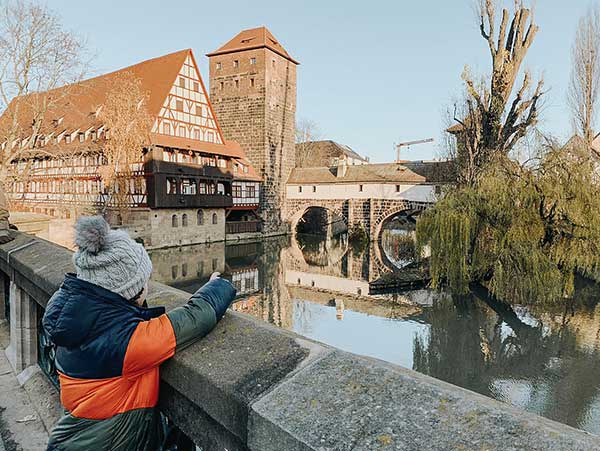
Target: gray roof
{"type": "Point", "coordinates": [408, 172]}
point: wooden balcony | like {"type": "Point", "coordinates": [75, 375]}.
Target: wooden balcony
{"type": "Point", "coordinates": [242, 227]}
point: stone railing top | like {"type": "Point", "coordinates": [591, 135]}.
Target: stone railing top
{"type": "Point", "coordinates": [250, 386]}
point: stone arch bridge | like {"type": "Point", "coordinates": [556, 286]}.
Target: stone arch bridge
{"type": "Point", "coordinates": [370, 213]}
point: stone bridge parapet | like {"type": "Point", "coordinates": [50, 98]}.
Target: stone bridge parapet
{"type": "Point", "coordinates": [250, 386]}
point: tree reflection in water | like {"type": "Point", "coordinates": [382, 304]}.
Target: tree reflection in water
{"type": "Point", "coordinates": [537, 358]}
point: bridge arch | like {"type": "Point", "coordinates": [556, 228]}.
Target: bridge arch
{"type": "Point", "coordinates": [295, 210]}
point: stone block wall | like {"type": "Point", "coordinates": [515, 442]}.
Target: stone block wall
{"type": "Point", "coordinates": [255, 105]}
{"type": "Point", "coordinates": [156, 227]}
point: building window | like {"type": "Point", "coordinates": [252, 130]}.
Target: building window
{"type": "Point", "coordinates": [299, 189]}
{"type": "Point", "coordinates": [252, 82]}
{"type": "Point", "coordinates": [215, 219]}
{"type": "Point", "coordinates": [166, 127]}
{"type": "Point", "coordinates": [181, 131]}
{"type": "Point", "coordinates": [200, 269]}
{"type": "Point", "coordinates": [215, 263]}
{"type": "Point", "coordinates": [200, 217]}
{"type": "Point", "coordinates": [360, 188]}
{"type": "Point", "coordinates": [183, 268]}
{"type": "Point", "coordinates": [221, 85]}
{"type": "Point", "coordinates": [171, 185]}
{"type": "Point", "coordinates": [252, 60]}
{"type": "Point", "coordinates": [179, 105]}
{"type": "Point", "coordinates": [188, 187]}
{"type": "Point", "coordinates": [236, 191]}
{"type": "Point", "coordinates": [218, 66]}
{"type": "Point", "coordinates": [174, 221]}
{"type": "Point", "coordinates": [198, 110]}
{"type": "Point", "coordinates": [184, 222]}
{"type": "Point", "coordinates": [181, 82]}
{"type": "Point", "coordinates": [236, 63]}
{"type": "Point", "coordinates": [314, 189]}
{"type": "Point", "coordinates": [251, 191]}
{"type": "Point", "coordinates": [196, 86]}
{"type": "Point", "coordinates": [237, 84]}
{"type": "Point", "coordinates": [174, 270]}
{"type": "Point", "coordinates": [397, 188]}
{"type": "Point", "coordinates": [197, 134]}
{"type": "Point", "coordinates": [273, 64]}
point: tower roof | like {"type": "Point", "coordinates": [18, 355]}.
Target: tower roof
{"type": "Point", "coordinates": [254, 38]}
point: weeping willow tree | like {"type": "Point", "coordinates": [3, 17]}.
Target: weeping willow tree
{"type": "Point", "coordinates": [524, 231]}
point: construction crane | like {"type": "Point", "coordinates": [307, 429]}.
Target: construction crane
{"type": "Point", "coordinates": [410, 143]}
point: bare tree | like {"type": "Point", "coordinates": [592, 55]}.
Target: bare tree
{"type": "Point", "coordinates": [582, 94]}
{"type": "Point", "coordinates": [37, 55]}
{"type": "Point", "coordinates": [128, 124]}
{"type": "Point", "coordinates": [489, 123]}
{"type": "Point", "coordinates": [307, 132]}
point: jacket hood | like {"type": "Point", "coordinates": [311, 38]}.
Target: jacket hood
{"type": "Point", "coordinates": [80, 309]}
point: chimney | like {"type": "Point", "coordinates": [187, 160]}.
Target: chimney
{"type": "Point", "coordinates": [342, 167]}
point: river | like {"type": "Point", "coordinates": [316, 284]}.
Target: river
{"type": "Point", "coordinates": [544, 359]}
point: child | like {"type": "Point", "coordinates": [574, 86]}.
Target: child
{"type": "Point", "coordinates": [109, 348]}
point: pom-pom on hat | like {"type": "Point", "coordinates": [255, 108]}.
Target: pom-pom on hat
{"type": "Point", "coordinates": [110, 258]}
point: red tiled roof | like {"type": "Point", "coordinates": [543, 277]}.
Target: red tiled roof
{"type": "Point", "coordinates": [156, 75]}
{"type": "Point", "coordinates": [254, 38]}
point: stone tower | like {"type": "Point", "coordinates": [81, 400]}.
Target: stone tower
{"type": "Point", "coordinates": [253, 94]}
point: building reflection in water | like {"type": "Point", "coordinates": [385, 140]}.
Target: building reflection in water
{"type": "Point", "coordinates": [545, 359]}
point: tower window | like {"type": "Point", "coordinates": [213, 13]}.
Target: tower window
{"type": "Point", "coordinates": [252, 60]}
{"type": "Point", "coordinates": [397, 188]}
{"type": "Point", "coordinates": [252, 82]}
{"type": "Point", "coordinates": [314, 189]}
{"type": "Point", "coordinates": [184, 223]}
{"type": "Point", "coordinates": [360, 188]}
{"type": "Point", "coordinates": [237, 84]}
{"type": "Point", "coordinates": [221, 85]}
{"type": "Point", "coordinates": [273, 63]}
{"type": "Point", "coordinates": [299, 189]}
{"type": "Point", "coordinates": [174, 221]}
{"type": "Point", "coordinates": [218, 66]}
{"type": "Point", "coordinates": [236, 63]}
{"type": "Point", "coordinates": [215, 219]}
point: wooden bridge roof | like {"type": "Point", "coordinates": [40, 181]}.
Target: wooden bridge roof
{"type": "Point", "coordinates": [409, 172]}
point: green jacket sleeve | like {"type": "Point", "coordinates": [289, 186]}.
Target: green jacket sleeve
{"type": "Point", "coordinates": [200, 315]}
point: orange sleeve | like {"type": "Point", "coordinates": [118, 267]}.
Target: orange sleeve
{"type": "Point", "coordinates": [152, 343]}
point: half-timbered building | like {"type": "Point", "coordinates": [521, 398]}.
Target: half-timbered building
{"type": "Point", "coordinates": [188, 181]}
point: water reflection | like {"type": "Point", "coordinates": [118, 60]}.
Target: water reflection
{"type": "Point", "coordinates": [543, 359]}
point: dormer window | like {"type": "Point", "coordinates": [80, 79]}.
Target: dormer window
{"type": "Point", "coordinates": [81, 137]}
{"type": "Point", "coordinates": [67, 139]}
{"type": "Point", "coordinates": [58, 121]}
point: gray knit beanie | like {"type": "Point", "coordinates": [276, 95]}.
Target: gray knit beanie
{"type": "Point", "coordinates": [109, 258]}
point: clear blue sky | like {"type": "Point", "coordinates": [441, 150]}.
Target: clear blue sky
{"type": "Point", "coordinates": [371, 74]}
